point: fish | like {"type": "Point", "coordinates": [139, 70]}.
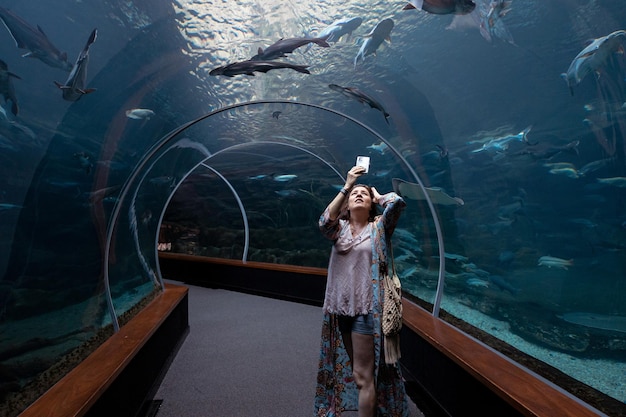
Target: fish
{"type": "Point", "coordinates": [84, 160]}
{"type": "Point", "coordinates": [9, 206]}
{"type": "Point", "coordinates": [139, 114]}
{"type": "Point", "coordinates": [374, 39]}
{"type": "Point", "coordinates": [34, 40]}
{"type": "Point", "coordinates": [74, 87]}
{"type": "Point", "coordinates": [566, 171]}
{"type": "Point", "coordinates": [101, 194]}
{"type": "Point", "coordinates": [503, 284]}
{"type": "Point", "coordinates": [596, 321]}
{"type": "Point", "coordinates": [548, 151]}
{"type": "Point", "coordinates": [6, 86]}
{"type": "Point", "coordinates": [249, 67]}
{"type": "Point", "coordinates": [361, 97]}
{"type": "Point", "coordinates": [595, 165]}
{"type": "Point", "coordinates": [501, 143]}
{"type": "Point", "coordinates": [286, 46]}
{"type": "Point", "coordinates": [477, 282]}
{"type": "Point", "coordinates": [442, 6]}
{"type": "Point", "coordinates": [285, 177]}
{"type": "Point", "coordinates": [276, 114]}
{"type": "Point", "coordinates": [408, 273]}
{"type": "Point", "coordinates": [405, 235]}
{"type": "Point", "coordinates": [381, 147]}
{"type": "Point", "coordinates": [615, 181]}
{"type": "Point", "coordinates": [559, 165]}
{"type": "Point", "coordinates": [591, 58]}
{"type": "Point", "coordinates": [287, 193]}
{"type": "Point", "coordinates": [455, 257]}
{"type": "Point", "coordinates": [339, 28]}
{"type": "Point", "coordinates": [496, 227]}
{"type": "Point", "coordinates": [553, 262]}
{"type": "Point", "coordinates": [165, 180]}
{"type": "Point", "coordinates": [414, 191]}
{"type": "Point", "coordinates": [404, 258]}
{"type": "Point", "coordinates": [491, 21]}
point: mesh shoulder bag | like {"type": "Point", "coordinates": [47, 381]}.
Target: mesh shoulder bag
{"type": "Point", "coordinates": [392, 301]}
{"type": "Point", "coordinates": [391, 321]}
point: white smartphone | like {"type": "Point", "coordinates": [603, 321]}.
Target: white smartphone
{"type": "Point", "coordinates": [363, 161]}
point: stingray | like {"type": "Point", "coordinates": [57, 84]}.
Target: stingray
{"type": "Point", "coordinates": [414, 192]}
{"type": "Point", "coordinates": [597, 321]}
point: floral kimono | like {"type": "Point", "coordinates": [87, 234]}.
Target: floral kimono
{"type": "Point", "coordinates": [336, 390]}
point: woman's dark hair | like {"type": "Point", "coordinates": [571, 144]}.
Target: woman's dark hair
{"type": "Point", "coordinates": [345, 213]}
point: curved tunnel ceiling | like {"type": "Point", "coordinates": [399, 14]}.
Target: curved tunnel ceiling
{"type": "Point", "coordinates": [262, 159]}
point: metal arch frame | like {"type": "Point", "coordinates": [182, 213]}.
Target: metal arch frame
{"type": "Point", "coordinates": [242, 209]}
{"type": "Point", "coordinates": [166, 139]}
{"type": "Point", "coordinates": [241, 206]}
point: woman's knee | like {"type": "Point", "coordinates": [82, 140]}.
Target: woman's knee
{"type": "Point", "coordinates": [363, 379]}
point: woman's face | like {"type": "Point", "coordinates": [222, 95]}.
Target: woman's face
{"type": "Point", "coordinates": [360, 198]}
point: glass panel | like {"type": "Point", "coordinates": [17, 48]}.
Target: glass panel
{"type": "Point", "coordinates": [283, 179]}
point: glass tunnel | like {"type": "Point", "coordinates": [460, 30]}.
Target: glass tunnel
{"type": "Point", "coordinates": [503, 128]}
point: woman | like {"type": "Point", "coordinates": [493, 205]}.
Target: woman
{"type": "Point", "coordinates": [351, 333]}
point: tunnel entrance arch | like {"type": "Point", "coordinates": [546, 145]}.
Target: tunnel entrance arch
{"type": "Point", "coordinates": [279, 147]}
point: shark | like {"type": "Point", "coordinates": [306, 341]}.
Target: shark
{"type": "Point", "coordinates": [374, 39]}
{"type": "Point", "coordinates": [339, 28]}
{"type": "Point", "coordinates": [74, 87]}
{"type": "Point", "coordinates": [286, 46]}
{"type": "Point", "coordinates": [591, 58]}
{"type": "Point", "coordinates": [442, 6]}
{"type": "Point", "coordinates": [501, 144]}
{"type": "Point", "coordinates": [361, 97]}
{"type": "Point", "coordinates": [249, 67]}
{"type": "Point", "coordinates": [34, 40]}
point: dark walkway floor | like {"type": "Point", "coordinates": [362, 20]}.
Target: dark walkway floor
{"type": "Point", "coordinates": [245, 355]}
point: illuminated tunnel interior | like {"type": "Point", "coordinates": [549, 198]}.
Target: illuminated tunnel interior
{"type": "Point", "coordinates": [242, 177]}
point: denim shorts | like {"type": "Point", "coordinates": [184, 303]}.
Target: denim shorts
{"type": "Point", "coordinates": [362, 324]}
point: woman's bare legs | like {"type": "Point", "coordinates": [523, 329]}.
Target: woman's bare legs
{"type": "Point", "coordinates": [360, 349]}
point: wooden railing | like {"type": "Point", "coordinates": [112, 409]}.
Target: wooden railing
{"type": "Point", "coordinates": [77, 391]}
{"type": "Point", "coordinates": [525, 391]}
{"type": "Point", "coordinates": [248, 264]}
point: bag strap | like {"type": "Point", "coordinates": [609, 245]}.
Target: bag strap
{"type": "Point", "coordinates": [393, 264]}
{"type": "Point", "coordinates": [383, 262]}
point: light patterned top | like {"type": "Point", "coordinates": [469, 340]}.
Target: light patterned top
{"type": "Point", "coordinates": [349, 285]}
